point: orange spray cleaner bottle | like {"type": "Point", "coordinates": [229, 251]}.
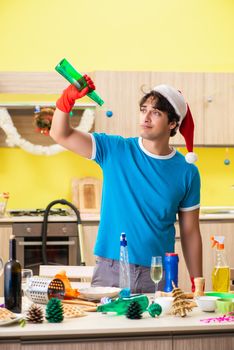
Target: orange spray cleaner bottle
{"type": "Point", "coordinates": [221, 271]}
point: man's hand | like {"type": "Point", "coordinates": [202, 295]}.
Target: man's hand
{"type": "Point", "coordinates": [66, 102]}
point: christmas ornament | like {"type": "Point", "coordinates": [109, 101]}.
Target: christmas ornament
{"type": "Point", "coordinates": [35, 314]}
{"type": "Point", "coordinates": [154, 310]}
{"type": "Point", "coordinates": [227, 160]}
{"type": "Point", "coordinates": [134, 311]}
{"type": "Point", "coordinates": [109, 114]}
{"type": "Point", "coordinates": [180, 305]}
{"type": "Point", "coordinates": [54, 311]}
{"type": "Point", "coordinates": [43, 119]}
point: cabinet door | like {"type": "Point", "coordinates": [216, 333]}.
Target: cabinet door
{"type": "Point", "coordinates": [121, 92]}
{"type": "Point", "coordinates": [89, 236]}
{"type": "Point", "coordinates": [160, 343]}
{"type": "Point", "coordinates": [183, 275]}
{"type": "Point", "coordinates": [203, 342]}
{"type": "Point", "coordinates": [219, 228]}
{"type": "Point", "coordinates": [219, 108]}
{"type": "Point", "coordinates": [5, 233]}
{"type": "Point", "coordinates": [191, 86]}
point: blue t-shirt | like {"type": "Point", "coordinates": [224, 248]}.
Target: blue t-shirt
{"type": "Point", "coordinates": [141, 195]}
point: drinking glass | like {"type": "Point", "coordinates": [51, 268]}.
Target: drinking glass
{"type": "Point", "coordinates": [156, 270]}
{"type": "Point", "coordinates": [26, 274]}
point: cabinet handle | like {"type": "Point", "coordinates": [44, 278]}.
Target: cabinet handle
{"type": "Point", "coordinates": [64, 229]}
{"type": "Point", "coordinates": [29, 229]}
{"type": "Point", "coordinates": [62, 243]}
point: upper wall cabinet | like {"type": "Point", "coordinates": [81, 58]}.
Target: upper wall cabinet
{"type": "Point", "coordinates": [219, 108]}
{"type": "Point", "coordinates": [209, 95]}
{"type": "Point", "coordinates": [191, 86]}
{"type": "Point", "coordinates": [122, 91]}
{"type": "Point", "coordinates": [20, 92]}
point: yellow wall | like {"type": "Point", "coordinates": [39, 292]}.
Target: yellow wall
{"type": "Point", "coordinates": [180, 35]}
{"type": "Point", "coordinates": [34, 181]}
{"type": "Point", "coordinates": [170, 35]}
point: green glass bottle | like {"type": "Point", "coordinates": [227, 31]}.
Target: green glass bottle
{"type": "Point", "coordinates": [70, 73]}
{"type": "Point", "coordinates": [120, 305]}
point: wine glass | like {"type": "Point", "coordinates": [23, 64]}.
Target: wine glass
{"type": "Point", "coordinates": [26, 274]}
{"type": "Point", "coordinates": [156, 270]}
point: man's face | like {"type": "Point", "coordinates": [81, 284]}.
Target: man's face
{"type": "Point", "coordinates": [153, 122]}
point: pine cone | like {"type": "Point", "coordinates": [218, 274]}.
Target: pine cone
{"type": "Point", "coordinates": [134, 311]}
{"type": "Point", "coordinates": [54, 311]}
{"type": "Point", "coordinates": [35, 314]}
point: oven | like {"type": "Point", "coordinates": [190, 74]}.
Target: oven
{"type": "Point", "coordinates": [62, 244]}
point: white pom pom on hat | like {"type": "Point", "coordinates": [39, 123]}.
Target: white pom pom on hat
{"type": "Point", "coordinates": [186, 124]}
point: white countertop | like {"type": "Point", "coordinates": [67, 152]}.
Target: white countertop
{"type": "Point", "coordinates": [111, 324]}
{"type": "Point", "coordinates": [206, 213]}
{"type": "Point", "coordinates": [84, 217]}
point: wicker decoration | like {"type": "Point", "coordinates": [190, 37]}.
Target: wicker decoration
{"type": "Point", "coordinates": [180, 305]}
{"type": "Point", "coordinates": [134, 311]}
{"type": "Point", "coordinates": [35, 314]}
{"type": "Point", "coordinates": [54, 311]}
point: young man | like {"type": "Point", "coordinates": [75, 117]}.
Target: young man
{"type": "Point", "coordinates": [145, 184]}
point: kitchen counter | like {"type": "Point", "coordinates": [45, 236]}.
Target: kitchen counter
{"type": "Point", "coordinates": [206, 213]}
{"type": "Point", "coordinates": [85, 217]}
{"type": "Point", "coordinates": [98, 328]}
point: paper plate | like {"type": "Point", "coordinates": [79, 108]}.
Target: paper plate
{"type": "Point", "coordinates": [96, 293]}
{"type": "Point", "coordinates": [222, 295]}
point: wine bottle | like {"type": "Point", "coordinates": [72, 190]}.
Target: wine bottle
{"type": "Point", "coordinates": [74, 77]}
{"type": "Point", "coordinates": [12, 280]}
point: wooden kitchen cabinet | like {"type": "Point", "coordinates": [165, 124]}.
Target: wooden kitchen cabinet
{"type": "Point", "coordinates": [191, 86]}
{"type": "Point", "coordinates": [220, 228]}
{"type": "Point", "coordinates": [208, 228]}
{"type": "Point", "coordinates": [159, 344]}
{"type": "Point", "coordinates": [210, 97]}
{"type": "Point", "coordinates": [90, 230]}
{"type": "Point", "coordinates": [5, 233]}
{"type": "Point", "coordinates": [203, 342]}
{"type": "Point", "coordinates": [218, 108]}
{"type": "Point", "coordinates": [122, 92]}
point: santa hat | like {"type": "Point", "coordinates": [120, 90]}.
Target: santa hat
{"type": "Point", "coordinates": [186, 125]}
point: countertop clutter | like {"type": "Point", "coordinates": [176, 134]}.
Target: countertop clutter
{"type": "Point", "coordinates": [106, 328]}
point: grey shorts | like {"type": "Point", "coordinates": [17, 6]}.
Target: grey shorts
{"type": "Point", "coordinates": [106, 273]}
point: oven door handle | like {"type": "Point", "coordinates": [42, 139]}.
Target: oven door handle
{"type": "Point", "coordinates": [28, 243]}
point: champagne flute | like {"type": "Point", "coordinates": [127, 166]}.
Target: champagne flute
{"type": "Point", "coordinates": [156, 270]}
{"type": "Point", "coordinates": [26, 274]}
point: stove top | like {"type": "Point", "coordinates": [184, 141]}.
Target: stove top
{"type": "Point", "coordinates": [39, 212]}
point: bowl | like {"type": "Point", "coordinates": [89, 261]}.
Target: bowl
{"type": "Point", "coordinates": [225, 305]}
{"type": "Point", "coordinates": [206, 303]}
{"type": "Point", "coordinates": [165, 303]}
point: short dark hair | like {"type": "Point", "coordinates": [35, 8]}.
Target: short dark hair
{"type": "Point", "coordinates": [163, 105]}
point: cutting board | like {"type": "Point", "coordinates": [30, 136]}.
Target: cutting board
{"type": "Point", "coordinates": [86, 194]}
